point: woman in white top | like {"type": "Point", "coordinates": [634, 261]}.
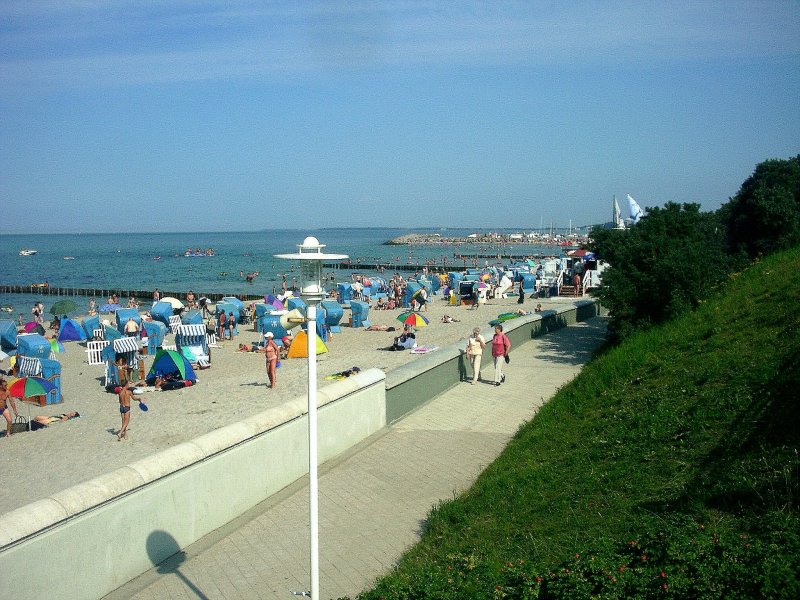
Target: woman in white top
{"type": "Point", "coordinates": [475, 346]}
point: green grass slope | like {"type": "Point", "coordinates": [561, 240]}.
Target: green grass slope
{"type": "Point", "coordinates": [668, 468]}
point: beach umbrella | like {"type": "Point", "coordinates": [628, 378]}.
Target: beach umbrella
{"type": "Point", "coordinates": [412, 318]}
{"type": "Point", "coordinates": [25, 387]}
{"type": "Point", "coordinates": [170, 362]}
{"type": "Point", "coordinates": [174, 302]}
{"type": "Point", "coordinates": [56, 346]}
{"type": "Point", "coordinates": [63, 307]}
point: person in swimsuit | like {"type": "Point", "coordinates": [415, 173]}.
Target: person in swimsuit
{"type": "Point", "coordinates": [273, 352]}
{"type": "Point", "coordinates": [5, 400]}
{"type": "Point", "coordinates": [125, 394]}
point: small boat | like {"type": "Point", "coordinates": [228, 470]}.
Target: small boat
{"type": "Point", "coordinates": [27, 252]}
{"type": "Point", "coordinates": [69, 258]}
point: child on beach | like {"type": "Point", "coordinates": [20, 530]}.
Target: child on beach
{"type": "Point", "coordinates": [125, 394]}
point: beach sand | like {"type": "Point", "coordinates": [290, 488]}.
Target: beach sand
{"type": "Point", "coordinates": [38, 464]}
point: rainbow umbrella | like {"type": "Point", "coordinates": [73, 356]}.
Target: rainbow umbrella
{"type": "Point", "coordinates": [412, 318]}
{"type": "Point", "coordinates": [25, 387]}
{"type": "Point", "coordinates": [56, 346]}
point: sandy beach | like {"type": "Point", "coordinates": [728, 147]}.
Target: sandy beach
{"type": "Point", "coordinates": [37, 464]}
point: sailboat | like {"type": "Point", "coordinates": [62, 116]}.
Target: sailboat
{"type": "Point", "coordinates": [617, 218]}
{"type": "Point", "coordinates": [635, 210]}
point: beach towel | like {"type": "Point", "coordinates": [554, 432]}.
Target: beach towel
{"type": "Point", "coordinates": [424, 349]}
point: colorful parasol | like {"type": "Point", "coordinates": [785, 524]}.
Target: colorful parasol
{"type": "Point", "coordinates": [412, 318]}
{"type": "Point", "coordinates": [56, 346]}
{"type": "Point", "coordinates": [25, 387]}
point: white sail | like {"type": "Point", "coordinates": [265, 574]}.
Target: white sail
{"type": "Point", "coordinates": [635, 209]}
{"type": "Point", "coordinates": [617, 218]}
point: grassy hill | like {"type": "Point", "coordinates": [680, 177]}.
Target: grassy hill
{"type": "Point", "coordinates": [668, 468]}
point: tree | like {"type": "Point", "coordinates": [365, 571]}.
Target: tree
{"type": "Point", "coordinates": [764, 216]}
{"type": "Point", "coordinates": [661, 267]}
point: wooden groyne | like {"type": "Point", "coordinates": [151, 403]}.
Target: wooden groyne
{"type": "Point", "coordinates": [102, 294]}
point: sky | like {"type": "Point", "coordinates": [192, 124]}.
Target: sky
{"type": "Point", "coordinates": [238, 116]}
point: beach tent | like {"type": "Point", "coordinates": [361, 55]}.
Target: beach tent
{"type": "Point", "coordinates": [299, 347]}
{"type": "Point", "coordinates": [89, 324]}
{"type": "Point", "coordinates": [8, 335]}
{"type": "Point", "coordinates": [162, 311]}
{"type": "Point", "coordinates": [33, 345]}
{"type": "Point", "coordinates": [124, 314]}
{"type": "Point", "coordinates": [171, 363]}
{"type": "Point", "coordinates": [70, 331]}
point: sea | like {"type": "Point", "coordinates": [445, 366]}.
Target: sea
{"type": "Point", "coordinates": [146, 261]}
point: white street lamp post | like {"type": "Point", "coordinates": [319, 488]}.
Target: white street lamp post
{"type": "Point", "coordinates": [311, 257]}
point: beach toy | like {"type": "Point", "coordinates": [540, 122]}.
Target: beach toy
{"type": "Point", "coordinates": [143, 406]}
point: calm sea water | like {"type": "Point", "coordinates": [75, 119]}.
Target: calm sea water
{"type": "Point", "coordinates": [128, 261]}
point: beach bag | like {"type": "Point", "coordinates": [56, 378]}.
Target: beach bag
{"type": "Point", "coordinates": [19, 424]}
{"type": "Point", "coordinates": [508, 358]}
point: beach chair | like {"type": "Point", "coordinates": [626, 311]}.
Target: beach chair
{"type": "Point", "coordinates": [29, 366]}
{"type": "Point", "coordinates": [128, 348]}
{"type": "Point", "coordinates": [192, 343]}
{"type": "Point", "coordinates": [174, 323]}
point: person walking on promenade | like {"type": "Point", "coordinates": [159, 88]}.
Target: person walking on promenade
{"type": "Point", "coordinates": [500, 347]}
{"type": "Point", "coordinates": [5, 400]}
{"type": "Point", "coordinates": [273, 352]}
{"type": "Point", "coordinates": [475, 346]}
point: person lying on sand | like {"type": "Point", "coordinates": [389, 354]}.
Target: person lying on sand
{"type": "Point", "coordinates": [54, 418]}
{"type": "Point", "coordinates": [250, 348]}
{"type": "Point", "coordinates": [449, 319]}
{"type": "Point", "coordinates": [379, 328]}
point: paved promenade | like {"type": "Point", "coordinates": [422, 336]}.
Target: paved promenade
{"type": "Point", "coordinates": [374, 499]}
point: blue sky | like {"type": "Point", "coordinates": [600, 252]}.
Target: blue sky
{"type": "Point", "coordinates": [203, 115]}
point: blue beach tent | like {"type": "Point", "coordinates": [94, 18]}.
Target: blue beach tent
{"type": "Point", "coordinates": [70, 331]}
